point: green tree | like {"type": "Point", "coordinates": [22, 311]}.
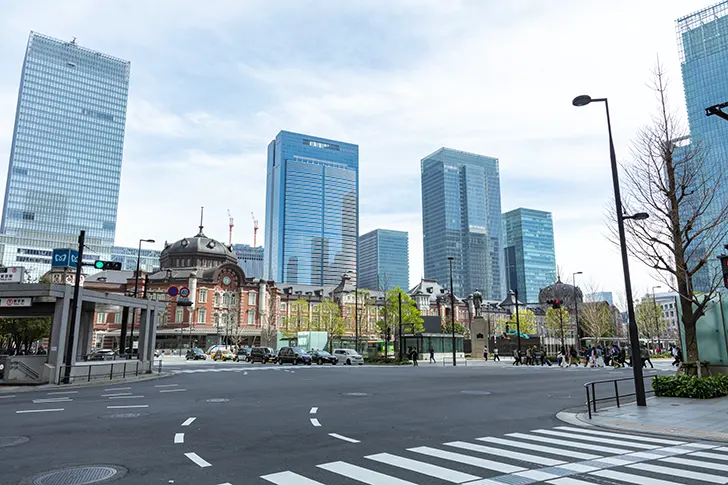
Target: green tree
{"type": "Point", "coordinates": [650, 319]}
{"type": "Point", "coordinates": [20, 333]}
{"type": "Point", "coordinates": [328, 316]}
{"type": "Point", "coordinates": [596, 320]}
{"type": "Point", "coordinates": [557, 323]}
{"type": "Point", "coordinates": [298, 320]}
{"type": "Point", "coordinates": [411, 317]}
{"type": "Point", "coordinates": [526, 321]}
{"type": "Point", "coordinates": [446, 327]}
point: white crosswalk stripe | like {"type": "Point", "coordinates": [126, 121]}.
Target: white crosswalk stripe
{"type": "Point", "coordinates": [539, 456]}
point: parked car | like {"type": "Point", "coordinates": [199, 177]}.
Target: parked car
{"type": "Point", "coordinates": [348, 356]}
{"type": "Point", "coordinates": [262, 355]}
{"type": "Point", "coordinates": [223, 354]}
{"type": "Point", "coordinates": [101, 354]}
{"type": "Point", "coordinates": [195, 354]}
{"type": "Point", "coordinates": [243, 354]}
{"type": "Point", "coordinates": [322, 357]}
{"type": "Point", "coordinates": [293, 355]}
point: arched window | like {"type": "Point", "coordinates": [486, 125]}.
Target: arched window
{"type": "Point", "coordinates": [226, 299]}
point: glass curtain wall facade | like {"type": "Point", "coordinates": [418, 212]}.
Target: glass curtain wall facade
{"type": "Point", "coordinates": [384, 260]}
{"type": "Point", "coordinates": [68, 139]}
{"type": "Point", "coordinates": [148, 258]}
{"type": "Point", "coordinates": [703, 49]}
{"type": "Point", "coordinates": [250, 259]}
{"type": "Point", "coordinates": [312, 210]}
{"type": "Point", "coordinates": [461, 217]}
{"type": "Point", "coordinates": [529, 240]}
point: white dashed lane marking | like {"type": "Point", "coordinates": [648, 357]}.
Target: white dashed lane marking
{"type": "Point", "coordinates": [117, 389]}
{"type": "Point", "coordinates": [53, 399]}
{"type": "Point", "coordinates": [128, 407]}
{"type": "Point", "coordinates": [345, 438]}
{"type": "Point", "coordinates": [315, 422]}
{"type": "Point", "coordinates": [166, 385]}
{"type": "Point", "coordinates": [198, 460]}
{"type": "Point", "coordinates": [173, 390]}
{"type": "Point", "coordinates": [116, 394]}
{"type": "Point", "coordinates": [62, 392]}
{"type": "Point", "coordinates": [179, 438]}
{"type": "Point", "coordinates": [38, 411]}
{"type": "Point", "coordinates": [7, 397]}
{"type": "Point", "coordinates": [313, 410]}
{"type": "Point", "coordinates": [188, 421]}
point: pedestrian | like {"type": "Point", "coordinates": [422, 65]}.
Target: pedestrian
{"type": "Point", "coordinates": [414, 356]}
{"type": "Point", "coordinates": [495, 355]}
{"type": "Point", "coordinates": [432, 355]}
{"type": "Point", "coordinates": [485, 354]}
{"type": "Point", "coordinates": [573, 355]}
{"type": "Point", "coordinates": [516, 357]}
{"type": "Point", "coordinates": [600, 356]}
{"type": "Point", "coordinates": [563, 358]}
{"type": "Point", "coordinates": [676, 355]}
{"type": "Point", "coordinates": [529, 356]}
{"type": "Point", "coordinates": [645, 356]}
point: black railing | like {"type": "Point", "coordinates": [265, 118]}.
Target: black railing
{"type": "Point", "coordinates": [591, 397]}
{"type": "Point", "coordinates": [116, 369]}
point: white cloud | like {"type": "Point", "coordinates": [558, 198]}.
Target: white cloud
{"type": "Point", "coordinates": [212, 83]}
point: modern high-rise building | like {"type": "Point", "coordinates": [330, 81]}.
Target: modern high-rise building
{"type": "Point", "coordinates": [250, 259]}
{"type": "Point", "coordinates": [312, 210]}
{"type": "Point", "coordinates": [703, 49]}
{"type": "Point", "coordinates": [384, 260]}
{"type": "Point", "coordinates": [600, 296]}
{"type": "Point", "coordinates": [66, 151]}
{"type": "Point", "coordinates": [148, 258]}
{"type": "Point", "coordinates": [529, 248]}
{"type": "Point", "coordinates": [461, 218]}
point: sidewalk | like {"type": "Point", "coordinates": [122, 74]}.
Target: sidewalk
{"type": "Point", "coordinates": [703, 419]}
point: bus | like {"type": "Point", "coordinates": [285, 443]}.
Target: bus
{"type": "Point", "coordinates": [375, 349]}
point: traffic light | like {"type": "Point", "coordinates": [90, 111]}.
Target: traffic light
{"type": "Point", "coordinates": [108, 265]}
{"type": "Point", "coordinates": [724, 268]}
{"type": "Point", "coordinates": [554, 303]}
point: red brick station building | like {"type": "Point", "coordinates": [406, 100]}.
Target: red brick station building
{"type": "Point", "coordinates": [224, 303]}
{"type": "Point", "coordinates": [228, 306]}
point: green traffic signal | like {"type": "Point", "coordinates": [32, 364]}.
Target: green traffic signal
{"type": "Point", "coordinates": [99, 265]}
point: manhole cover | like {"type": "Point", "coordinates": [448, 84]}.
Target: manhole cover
{"type": "Point", "coordinates": [476, 393]}
{"type": "Point", "coordinates": [80, 475]}
{"type": "Point", "coordinates": [218, 399]}
{"type": "Point", "coordinates": [357, 394]}
{"type": "Point", "coordinates": [12, 440]}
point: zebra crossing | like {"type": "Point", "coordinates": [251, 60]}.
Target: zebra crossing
{"type": "Point", "coordinates": [563, 455]}
{"type": "Point", "coordinates": [247, 368]}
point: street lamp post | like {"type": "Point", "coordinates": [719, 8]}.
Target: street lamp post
{"type": "Point", "coordinates": [639, 383]}
{"type": "Point", "coordinates": [452, 312]}
{"type": "Point", "coordinates": [657, 323]}
{"type": "Point", "coordinates": [136, 289]}
{"type": "Point", "coordinates": [576, 309]}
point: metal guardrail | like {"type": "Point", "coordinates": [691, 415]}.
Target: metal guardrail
{"type": "Point", "coordinates": [117, 369]}
{"type": "Point", "coordinates": [29, 371]}
{"type": "Point", "coordinates": [591, 398]}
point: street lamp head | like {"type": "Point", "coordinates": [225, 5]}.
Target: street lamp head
{"type": "Point", "coordinates": [582, 100]}
{"type": "Point", "coordinates": [450, 258]}
{"type": "Point", "coordinates": [148, 240]}
{"type": "Point", "coordinates": [578, 272]}
{"type": "Point", "coordinates": [640, 216]}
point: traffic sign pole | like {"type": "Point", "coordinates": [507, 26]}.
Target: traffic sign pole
{"type": "Point", "coordinates": [74, 310]}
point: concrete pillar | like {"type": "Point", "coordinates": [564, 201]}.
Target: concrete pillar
{"type": "Point", "coordinates": [77, 325]}
{"type": "Point", "coordinates": [144, 341]}
{"type": "Point", "coordinates": [59, 334]}
{"type": "Point", "coordinates": [85, 331]}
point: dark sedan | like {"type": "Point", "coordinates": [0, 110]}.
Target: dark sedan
{"type": "Point", "coordinates": [293, 355]}
{"type": "Point", "coordinates": [322, 357]}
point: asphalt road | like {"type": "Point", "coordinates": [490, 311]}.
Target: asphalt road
{"type": "Point", "coordinates": [254, 420]}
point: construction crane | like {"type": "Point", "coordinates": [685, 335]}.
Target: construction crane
{"type": "Point", "coordinates": [230, 225]}
{"type": "Point", "coordinates": [255, 231]}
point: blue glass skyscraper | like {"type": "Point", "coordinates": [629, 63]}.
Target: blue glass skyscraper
{"type": "Point", "coordinates": [312, 210]}
{"type": "Point", "coordinates": [384, 260]}
{"type": "Point", "coordinates": [530, 254]}
{"type": "Point", "coordinates": [461, 218]}
{"type": "Point", "coordinates": [66, 153]}
{"type": "Point", "coordinates": [703, 46]}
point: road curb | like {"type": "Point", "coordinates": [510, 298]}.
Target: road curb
{"type": "Point", "coordinates": [581, 420]}
{"type": "Point", "coordinates": [99, 383]}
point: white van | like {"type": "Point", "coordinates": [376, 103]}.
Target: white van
{"type": "Point", "coordinates": [348, 356]}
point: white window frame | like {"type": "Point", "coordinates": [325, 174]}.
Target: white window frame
{"type": "Point", "coordinates": [251, 317]}
{"type": "Point", "coordinates": [202, 295]}
{"type": "Point", "coordinates": [179, 315]}
{"type": "Point", "coordinates": [201, 315]}
{"type": "Point", "coordinates": [252, 298]}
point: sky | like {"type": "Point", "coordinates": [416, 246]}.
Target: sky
{"type": "Point", "coordinates": [213, 82]}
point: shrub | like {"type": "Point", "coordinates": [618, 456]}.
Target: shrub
{"type": "Point", "coordinates": [691, 386]}
{"type": "Point", "coordinates": [389, 361]}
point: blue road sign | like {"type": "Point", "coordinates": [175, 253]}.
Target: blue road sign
{"type": "Point", "coordinates": [64, 258]}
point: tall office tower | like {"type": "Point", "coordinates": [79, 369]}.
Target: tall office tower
{"type": "Point", "coordinates": [250, 259]}
{"type": "Point", "coordinates": [66, 152]}
{"type": "Point", "coordinates": [703, 49]}
{"type": "Point", "coordinates": [529, 252]}
{"type": "Point", "coordinates": [384, 260]}
{"type": "Point", "coordinates": [461, 218]}
{"type": "Point", "coordinates": [312, 210]}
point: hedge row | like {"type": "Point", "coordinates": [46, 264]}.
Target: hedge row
{"type": "Point", "coordinates": [691, 386]}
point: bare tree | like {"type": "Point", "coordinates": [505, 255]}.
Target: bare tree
{"type": "Point", "coordinates": [687, 223]}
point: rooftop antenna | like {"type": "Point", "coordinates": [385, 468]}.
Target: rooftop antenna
{"type": "Point", "coordinates": [230, 236]}
{"type": "Point", "coordinates": [73, 42]}
{"type": "Point", "coordinates": [202, 212]}
{"type": "Point", "coordinates": [255, 231]}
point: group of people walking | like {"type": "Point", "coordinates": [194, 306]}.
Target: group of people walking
{"type": "Point", "coordinates": [590, 356]}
